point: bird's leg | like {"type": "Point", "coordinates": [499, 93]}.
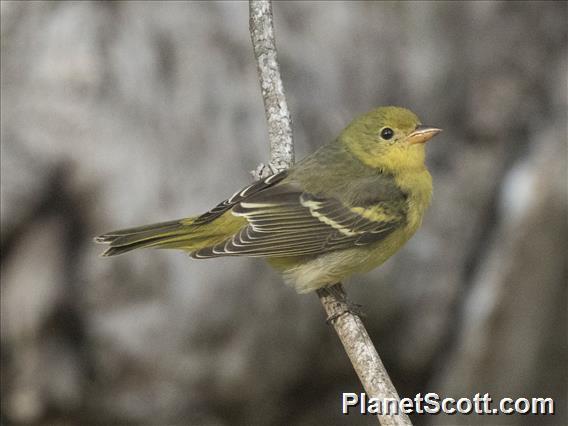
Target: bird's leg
{"type": "Point", "coordinates": [341, 304]}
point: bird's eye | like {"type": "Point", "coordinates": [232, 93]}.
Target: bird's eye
{"type": "Point", "coordinates": [387, 133]}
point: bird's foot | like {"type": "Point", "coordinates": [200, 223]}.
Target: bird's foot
{"type": "Point", "coordinates": [342, 304]}
{"type": "Point", "coordinates": [348, 308]}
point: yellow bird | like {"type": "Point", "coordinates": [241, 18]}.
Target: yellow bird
{"type": "Point", "coordinates": [344, 209]}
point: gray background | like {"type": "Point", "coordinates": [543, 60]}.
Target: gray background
{"type": "Point", "coordinates": [120, 114]}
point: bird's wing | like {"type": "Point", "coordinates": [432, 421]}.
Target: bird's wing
{"type": "Point", "coordinates": [283, 220]}
{"type": "Point", "coordinates": [239, 196]}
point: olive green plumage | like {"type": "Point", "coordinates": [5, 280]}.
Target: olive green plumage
{"type": "Point", "coordinates": [346, 208]}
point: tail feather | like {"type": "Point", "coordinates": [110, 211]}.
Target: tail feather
{"type": "Point", "coordinates": [172, 234]}
{"type": "Point", "coordinates": [155, 227]}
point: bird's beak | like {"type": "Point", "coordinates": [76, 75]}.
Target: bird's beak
{"type": "Point", "coordinates": [422, 134]}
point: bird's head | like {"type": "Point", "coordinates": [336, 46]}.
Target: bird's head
{"type": "Point", "coordinates": [388, 138]}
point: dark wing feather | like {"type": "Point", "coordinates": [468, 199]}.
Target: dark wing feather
{"type": "Point", "coordinates": [285, 221]}
{"type": "Point", "coordinates": [239, 196]}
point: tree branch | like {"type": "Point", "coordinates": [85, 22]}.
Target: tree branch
{"type": "Point", "coordinates": [348, 326]}
{"type": "Point", "coordinates": [277, 114]}
{"type": "Point", "coordinates": [361, 351]}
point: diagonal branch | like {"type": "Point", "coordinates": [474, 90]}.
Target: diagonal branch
{"type": "Point", "coordinates": [277, 114]}
{"type": "Point", "coordinates": [348, 326]}
{"type": "Point", "coordinates": [361, 351]}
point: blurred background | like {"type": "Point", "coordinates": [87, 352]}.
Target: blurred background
{"type": "Point", "coordinates": [117, 114]}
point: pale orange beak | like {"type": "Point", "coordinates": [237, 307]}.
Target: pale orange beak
{"type": "Point", "coordinates": [423, 134]}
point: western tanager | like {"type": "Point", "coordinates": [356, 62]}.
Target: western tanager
{"type": "Point", "coordinates": [346, 208]}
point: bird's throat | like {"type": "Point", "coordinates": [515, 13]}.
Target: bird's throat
{"type": "Point", "coordinates": [394, 160]}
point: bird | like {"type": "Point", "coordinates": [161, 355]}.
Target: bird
{"type": "Point", "coordinates": [344, 209]}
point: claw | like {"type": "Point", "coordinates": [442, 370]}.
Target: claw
{"type": "Point", "coordinates": [343, 304]}
{"type": "Point", "coordinates": [351, 308]}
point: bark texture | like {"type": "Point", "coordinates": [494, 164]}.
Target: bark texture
{"type": "Point", "coordinates": [261, 28]}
